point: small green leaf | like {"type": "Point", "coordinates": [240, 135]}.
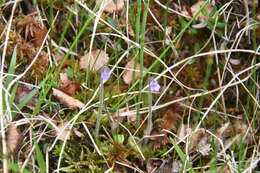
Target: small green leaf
{"type": "Point", "coordinates": [183, 22]}
{"type": "Point", "coordinates": [213, 11]}
{"type": "Point", "coordinates": [196, 48]}
{"type": "Point", "coordinates": [221, 24]}
{"type": "Point", "coordinates": [193, 31]}
{"type": "Point", "coordinates": [111, 22]}
{"type": "Point", "coordinates": [119, 138]}
{"type": "Point", "coordinates": [70, 72]}
{"type": "Point", "coordinates": [132, 141]}
{"type": "Point", "coordinates": [182, 155]}
{"type": "Point", "coordinates": [15, 167]}
{"type": "Point", "coordinates": [220, 34]}
{"type": "Point", "coordinates": [192, 61]}
{"type": "Point", "coordinates": [2, 1]}
{"type": "Point", "coordinates": [204, 11]}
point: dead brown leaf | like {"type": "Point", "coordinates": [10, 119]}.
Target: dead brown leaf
{"type": "Point", "coordinates": [195, 7]}
{"type": "Point", "coordinates": [129, 72]}
{"type": "Point", "coordinates": [67, 86]}
{"type": "Point", "coordinates": [63, 131]}
{"type": "Point", "coordinates": [78, 133]}
{"type": "Point", "coordinates": [112, 6]}
{"type": "Point", "coordinates": [184, 130]}
{"type": "Point", "coordinates": [64, 80]}
{"type": "Point", "coordinates": [94, 60]}
{"type": "Point", "coordinates": [71, 88]}
{"type": "Point", "coordinates": [67, 100]}
{"type": "Point", "coordinates": [13, 138]}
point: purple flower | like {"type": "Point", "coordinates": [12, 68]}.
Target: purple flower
{"type": "Point", "coordinates": [104, 73]}
{"type": "Point", "coordinates": [154, 86]}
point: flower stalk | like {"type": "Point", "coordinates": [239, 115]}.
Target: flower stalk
{"type": "Point", "coordinates": [104, 76]}
{"type": "Point", "coordinates": [153, 87]}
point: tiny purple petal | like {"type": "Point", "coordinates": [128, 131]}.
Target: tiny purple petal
{"type": "Point", "coordinates": [104, 73]}
{"type": "Point", "coordinates": [154, 86]}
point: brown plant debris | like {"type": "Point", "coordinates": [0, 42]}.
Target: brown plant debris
{"type": "Point", "coordinates": [68, 86]}
{"type": "Point", "coordinates": [22, 92]}
{"type": "Point", "coordinates": [67, 100]}
{"type": "Point", "coordinates": [195, 7]}
{"type": "Point", "coordinates": [130, 71]}
{"type": "Point", "coordinates": [169, 120]}
{"type": "Point", "coordinates": [112, 6]}
{"type": "Point", "coordinates": [94, 60]}
{"type": "Point", "coordinates": [41, 64]}
{"type": "Point", "coordinates": [63, 131]}
{"type": "Point", "coordinates": [157, 165]}
{"type": "Point", "coordinates": [13, 138]}
{"type": "Point", "coordinates": [199, 142]}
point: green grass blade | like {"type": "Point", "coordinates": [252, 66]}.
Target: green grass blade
{"type": "Point", "coordinates": [15, 167]}
{"type": "Point", "coordinates": [182, 156]}
{"type": "Point", "coordinates": [11, 69]}
{"type": "Point", "coordinates": [40, 159]}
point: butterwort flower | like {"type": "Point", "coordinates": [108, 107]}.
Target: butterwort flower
{"type": "Point", "coordinates": [105, 73]}
{"type": "Point", "coordinates": [154, 86]}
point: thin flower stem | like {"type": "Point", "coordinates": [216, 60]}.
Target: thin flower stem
{"type": "Point", "coordinates": [150, 121]}
{"type": "Point", "coordinates": [149, 127]}
{"type": "Point", "coordinates": [100, 110]}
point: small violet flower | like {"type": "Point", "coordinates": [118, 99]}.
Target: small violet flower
{"type": "Point", "coordinates": [104, 73]}
{"type": "Point", "coordinates": [154, 86]}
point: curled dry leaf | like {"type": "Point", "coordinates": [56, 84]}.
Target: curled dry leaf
{"type": "Point", "coordinates": [13, 138]}
{"type": "Point", "coordinates": [63, 131]}
{"type": "Point", "coordinates": [199, 26]}
{"type": "Point", "coordinates": [129, 72]}
{"type": "Point", "coordinates": [234, 61]}
{"type": "Point", "coordinates": [67, 100]}
{"type": "Point", "coordinates": [183, 131]}
{"type": "Point", "coordinates": [94, 60]}
{"type": "Point", "coordinates": [112, 5]}
{"type": "Point", "coordinates": [67, 86]}
{"type": "Point", "coordinates": [78, 133]}
{"type": "Point", "coordinates": [64, 80]}
{"type": "Point", "coordinates": [195, 7]}
{"type": "Point", "coordinates": [71, 88]}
